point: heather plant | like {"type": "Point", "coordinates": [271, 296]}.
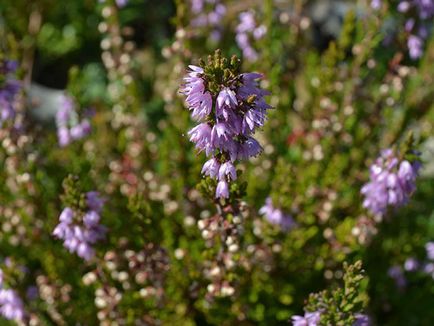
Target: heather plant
{"type": "Point", "coordinates": [232, 106]}
{"type": "Point", "coordinates": [342, 306]}
{"type": "Point", "coordinates": [216, 162]}
{"type": "Point", "coordinates": [246, 30]}
{"type": "Point", "coordinates": [79, 222]}
{"type": "Point", "coordinates": [392, 181]}
{"type": "Point", "coordinates": [418, 15]}
{"type": "Point", "coordinates": [69, 128]}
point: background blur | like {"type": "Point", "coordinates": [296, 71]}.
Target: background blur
{"type": "Point", "coordinates": [346, 82]}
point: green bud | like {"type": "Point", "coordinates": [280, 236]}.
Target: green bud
{"type": "Point", "coordinates": [224, 62]}
{"type": "Point", "coordinates": [227, 74]}
{"type": "Point", "coordinates": [234, 61]}
{"type": "Point", "coordinates": [217, 55]}
{"type": "Point", "coordinates": [251, 99]}
{"type": "Point", "coordinates": [202, 63]}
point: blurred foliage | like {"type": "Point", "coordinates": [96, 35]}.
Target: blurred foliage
{"type": "Point", "coordinates": [335, 109]}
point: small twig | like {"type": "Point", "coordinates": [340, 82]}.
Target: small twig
{"type": "Point", "coordinates": [35, 21]}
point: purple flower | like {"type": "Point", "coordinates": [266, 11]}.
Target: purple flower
{"type": "Point", "coordinates": [207, 15]}
{"type": "Point", "coordinates": [220, 134]}
{"type": "Point", "coordinates": [227, 169]}
{"type": "Point", "coordinates": [66, 216]}
{"type": "Point", "coordinates": [231, 148]}
{"type": "Point", "coordinates": [68, 126]}
{"type": "Point", "coordinates": [9, 88]}
{"type": "Point", "coordinates": [276, 216]}
{"type": "Point", "coordinates": [211, 168]}
{"type": "Point", "coordinates": [309, 319]}
{"type": "Point", "coordinates": [409, 25]}
{"type": "Point", "coordinates": [11, 305]}
{"type": "Point", "coordinates": [249, 148]}
{"type": "Point", "coordinates": [242, 40]}
{"type": "Point", "coordinates": [79, 234]}
{"type": "Point", "coordinates": [419, 16]}
{"type": "Point", "coordinates": [404, 6]}
{"type": "Point", "coordinates": [91, 219]}
{"type": "Point", "coordinates": [80, 130]}
{"type": "Point", "coordinates": [415, 46]}
{"type": "Point", "coordinates": [391, 183]}
{"type": "Point", "coordinates": [376, 4]}
{"type": "Point", "coordinates": [119, 3]}
{"type": "Point", "coordinates": [428, 268]}
{"type": "Point", "coordinates": [245, 30]}
{"type": "Point", "coordinates": [197, 6]}
{"type": "Point", "coordinates": [65, 111]}
{"type": "Point", "coordinates": [250, 54]}
{"type": "Point", "coordinates": [198, 100]}
{"type": "Point", "coordinates": [362, 320]}
{"type": "Point", "coordinates": [425, 8]}
{"type": "Point", "coordinates": [222, 190]}
{"type": "Point", "coordinates": [253, 119]}
{"type": "Point", "coordinates": [203, 107]}
{"type": "Point", "coordinates": [247, 22]}
{"type": "Point", "coordinates": [225, 99]}
{"type": "Point", "coordinates": [201, 135]}
{"type": "Point", "coordinates": [396, 273]}
{"type": "Point", "coordinates": [32, 292]}
{"type": "Point", "coordinates": [430, 250]}
{"type": "Point", "coordinates": [63, 136]}
{"type": "Point", "coordinates": [411, 264]}
{"type": "Point", "coordinates": [259, 32]}
{"type": "Point", "coordinates": [229, 116]}
{"type": "Point", "coordinates": [95, 201]}
{"type": "Point", "coordinates": [214, 17]}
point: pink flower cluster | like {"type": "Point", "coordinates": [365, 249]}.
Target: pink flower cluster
{"type": "Point", "coordinates": [229, 119]}
{"type": "Point", "coordinates": [80, 233]}
{"type": "Point", "coordinates": [69, 128]}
